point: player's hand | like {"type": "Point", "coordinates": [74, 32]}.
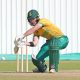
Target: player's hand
{"type": "Point", "coordinates": [21, 44]}
{"type": "Point", "coordinates": [19, 38]}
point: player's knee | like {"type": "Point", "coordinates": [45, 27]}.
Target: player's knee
{"type": "Point", "coordinates": [40, 65]}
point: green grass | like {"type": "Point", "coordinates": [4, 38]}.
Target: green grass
{"type": "Point", "coordinates": [8, 66]}
{"type": "Point", "coordinates": [69, 65]}
{"type": "Point", "coordinates": [8, 71]}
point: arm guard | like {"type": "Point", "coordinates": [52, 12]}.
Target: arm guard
{"type": "Point", "coordinates": [31, 44]}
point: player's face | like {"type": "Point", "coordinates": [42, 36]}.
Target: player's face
{"type": "Point", "coordinates": [33, 22]}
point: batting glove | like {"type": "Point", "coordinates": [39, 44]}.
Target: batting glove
{"type": "Point", "coordinates": [19, 38]}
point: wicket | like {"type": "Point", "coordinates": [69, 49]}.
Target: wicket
{"type": "Point", "coordinates": [22, 61]}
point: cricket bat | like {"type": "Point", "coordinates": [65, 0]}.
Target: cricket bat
{"type": "Point", "coordinates": [16, 48]}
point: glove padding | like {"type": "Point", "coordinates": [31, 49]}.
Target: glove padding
{"type": "Point", "coordinates": [18, 43]}
{"type": "Point", "coordinates": [19, 38]}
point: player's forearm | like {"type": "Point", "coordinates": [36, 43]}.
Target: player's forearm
{"type": "Point", "coordinates": [33, 43]}
{"type": "Point", "coordinates": [29, 32]}
{"type": "Point", "coordinates": [32, 30]}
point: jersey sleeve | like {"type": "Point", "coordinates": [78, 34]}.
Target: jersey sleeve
{"type": "Point", "coordinates": [44, 22]}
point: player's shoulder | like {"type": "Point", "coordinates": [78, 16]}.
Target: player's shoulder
{"type": "Point", "coordinates": [44, 19]}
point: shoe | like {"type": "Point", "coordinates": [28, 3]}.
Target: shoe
{"type": "Point", "coordinates": [52, 71]}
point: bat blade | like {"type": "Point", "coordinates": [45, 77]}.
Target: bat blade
{"type": "Point", "coordinates": [16, 49]}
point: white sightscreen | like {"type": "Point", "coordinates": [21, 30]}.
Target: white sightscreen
{"type": "Point", "coordinates": [64, 13]}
